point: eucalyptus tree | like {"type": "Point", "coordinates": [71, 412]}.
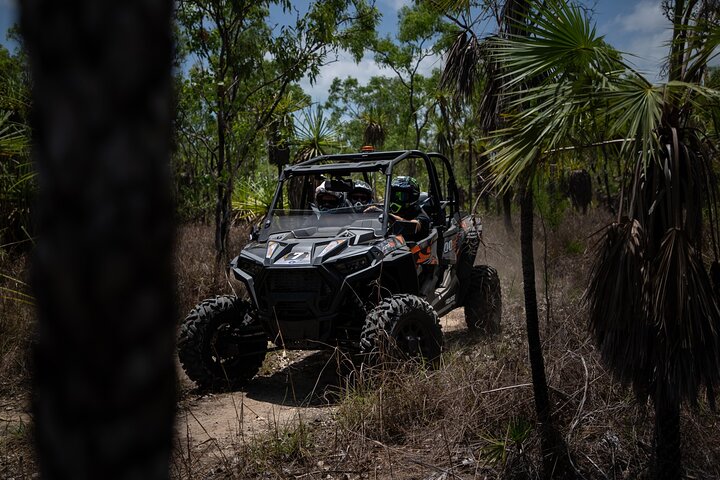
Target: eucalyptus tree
{"type": "Point", "coordinates": [652, 309]}
{"type": "Point", "coordinates": [244, 68]}
{"type": "Point", "coordinates": [354, 107]}
{"type": "Point", "coordinates": [418, 38]}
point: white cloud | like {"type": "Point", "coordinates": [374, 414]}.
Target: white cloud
{"type": "Point", "coordinates": [646, 17]}
{"type": "Point", "coordinates": [642, 34]}
{"type": "Point", "coordinates": [345, 67]}
{"type": "Point", "coordinates": [397, 4]}
{"type": "Point", "coordinates": [650, 53]}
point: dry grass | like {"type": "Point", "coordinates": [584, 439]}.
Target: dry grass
{"type": "Point", "coordinates": [16, 322]}
{"type": "Point", "coordinates": [474, 416]}
{"type": "Point", "coordinates": [471, 418]}
{"type": "Point", "coordinates": [198, 275]}
{"type": "Point", "coordinates": [16, 327]}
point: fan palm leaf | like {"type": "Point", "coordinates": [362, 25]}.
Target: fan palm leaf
{"type": "Point", "coordinates": [314, 135]}
{"type": "Point", "coordinates": [653, 312]}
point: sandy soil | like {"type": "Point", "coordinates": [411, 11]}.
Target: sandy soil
{"type": "Point", "coordinates": [296, 385]}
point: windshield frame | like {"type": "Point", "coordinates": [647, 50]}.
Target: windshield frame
{"type": "Point", "coordinates": [346, 164]}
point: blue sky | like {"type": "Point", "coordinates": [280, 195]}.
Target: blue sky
{"type": "Point", "coordinates": [636, 27]}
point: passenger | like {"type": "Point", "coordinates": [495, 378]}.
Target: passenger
{"type": "Point", "coordinates": [327, 200]}
{"type": "Point", "coordinates": [404, 196]}
{"type": "Point", "coordinates": [360, 196]}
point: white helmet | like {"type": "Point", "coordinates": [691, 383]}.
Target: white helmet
{"type": "Point", "coordinates": [327, 199]}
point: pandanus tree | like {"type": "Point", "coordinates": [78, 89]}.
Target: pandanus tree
{"type": "Point", "coordinates": [374, 131]}
{"type": "Point", "coordinates": [503, 95]}
{"type": "Point", "coordinates": [653, 313]}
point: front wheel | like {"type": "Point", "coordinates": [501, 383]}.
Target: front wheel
{"type": "Point", "coordinates": [402, 326]}
{"type": "Point", "coordinates": [483, 302]}
{"type": "Point", "coordinates": [221, 345]}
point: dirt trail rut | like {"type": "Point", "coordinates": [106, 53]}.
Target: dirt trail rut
{"type": "Point", "coordinates": [298, 385]}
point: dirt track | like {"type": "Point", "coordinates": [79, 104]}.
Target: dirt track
{"type": "Point", "coordinates": [296, 385]}
{"type": "Point", "coordinates": [304, 384]}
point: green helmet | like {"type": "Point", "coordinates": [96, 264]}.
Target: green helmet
{"type": "Point", "coordinates": [404, 193]}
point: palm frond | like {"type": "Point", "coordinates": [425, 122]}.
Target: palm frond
{"type": "Point", "coordinates": [314, 135]}
{"type": "Point", "coordinates": [617, 310]}
{"type": "Point", "coordinates": [462, 63]}
{"type": "Point", "coordinates": [686, 315]}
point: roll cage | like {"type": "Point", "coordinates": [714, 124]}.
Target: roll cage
{"type": "Point", "coordinates": [443, 199]}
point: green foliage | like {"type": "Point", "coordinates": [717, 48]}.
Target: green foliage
{"type": "Point", "coordinates": [497, 449]}
{"type": "Point", "coordinates": [253, 197]}
{"type": "Point", "coordinates": [17, 186]}
{"type": "Point", "coordinates": [419, 27]}
{"type": "Point", "coordinates": [314, 135]}
{"type": "Point", "coordinates": [550, 201]}
{"type": "Point", "coordinates": [284, 443]}
{"type": "Point", "coordinates": [574, 247]}
{"type": "Point", "coordinates": [242, 78]}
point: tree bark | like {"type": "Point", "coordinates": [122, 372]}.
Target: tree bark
{"type": "Point", "coordinates": [224, 185]}
{"type": "Point", "coordinates": [555, 461]}
{"type": "Point", "coordinates": [104, 378]}
{"type": "Point", "coordinates": [668, 461]}
{"type": "Point", "coordinates": [507, 212]}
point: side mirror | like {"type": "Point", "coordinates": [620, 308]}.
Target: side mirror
{"type": "Point", "coordinates": [254, 233]}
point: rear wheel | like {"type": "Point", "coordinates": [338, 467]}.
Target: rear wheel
{"type": "Point", "coordinates": [221, 345]}
{"type": "Point", "coordinates": [400, 327]}
{"type": "Point", "coordinates": [483, 302]}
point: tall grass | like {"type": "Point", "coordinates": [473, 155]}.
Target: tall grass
{"type": "Point", "coordinates": [16, 322]}
{"type": "Point", "coordinates": [473, 417]}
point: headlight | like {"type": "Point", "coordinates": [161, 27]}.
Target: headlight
{"type": "Point", "coordinates": [271, 247]}
{"type": "Point", "coordinates": [352, 265]}
{"type": "Point", "coordinates": [331, 246]}
{"type": "Point", "coordinates": [248, 266]}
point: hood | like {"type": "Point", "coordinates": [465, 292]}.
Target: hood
{"type": "Point", "coordinates": [289, 249]}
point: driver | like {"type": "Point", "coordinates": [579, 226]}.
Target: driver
{"type": "Point", "coordinates": [404, 196]}
{"type": "Point", "coordinates": [327, 199]}
{"type": "Point", "coordinates": [360, 196]}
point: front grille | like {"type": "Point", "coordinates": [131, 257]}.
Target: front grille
{"type": "Point", "coordinates": [292, 310]}
{"type": "Point", "coordinates": [287, 281]}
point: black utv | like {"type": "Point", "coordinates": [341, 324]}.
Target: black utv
{"type": "Point", "coordinates": [329, 268]}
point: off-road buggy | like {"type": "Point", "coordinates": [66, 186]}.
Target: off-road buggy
{"type": "Point", "coordinates": [345, 277]}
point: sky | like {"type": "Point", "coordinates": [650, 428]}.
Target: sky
{"type": "Point", "coordinates": [635, 27]}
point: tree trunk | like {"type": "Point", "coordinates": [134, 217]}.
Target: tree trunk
{"type": "Point", "coordinates": [224, 185]}
{"type": "Point", "coordinates": [555, 462]}
{"type": "Point", "coordinates": [104, 377]}
{"type": "Point", "coordinates": [667, 464]}
{"type": "Point", "coordinates": [507, 212]}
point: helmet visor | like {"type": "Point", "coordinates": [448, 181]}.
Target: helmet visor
{"type": "Point", "coordinates": [402, 197]}
{"type": "Point", "coordinates": [360, 197]}
{"type": "Point", "coordinates": [327, 199]}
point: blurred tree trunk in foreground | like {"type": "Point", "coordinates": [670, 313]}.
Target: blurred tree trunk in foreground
{"type": "Point", "coordinates": [104, 384]}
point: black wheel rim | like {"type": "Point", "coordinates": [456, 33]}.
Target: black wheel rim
{"type": "Point", "coordinates": [412, 338]}
{"type": "Point", "coordinates": [228, 348]}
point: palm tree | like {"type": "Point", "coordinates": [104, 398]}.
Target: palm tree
{"type": "Point", "coordinates": [463, 63]}
{"type": "Point", "coordinates": [314, 135]}
{"type": "Point", "coordinates": [104, 376]}
{"type": "Point", "coordinates": [652, 310]}
{"type": "Point", "coordinates": [374, 132]}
